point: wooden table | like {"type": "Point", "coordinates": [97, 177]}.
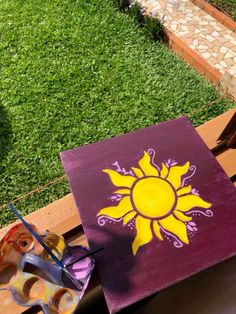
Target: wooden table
{"type": "Point", "coordinates": [210, 292]}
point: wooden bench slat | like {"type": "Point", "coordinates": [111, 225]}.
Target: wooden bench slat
{"type": "Point", "coordinates": [227, 161]}
{"type": "Point", "coordinates": [211, 130]}
{"type": "Point", "coordinates": [60, 217]}
{"type": "Point", "coordinates": [82, 240]}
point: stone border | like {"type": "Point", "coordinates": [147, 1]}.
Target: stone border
{"type": "Point", "coordinates": [218, 15]}
{"type": "Point", "coordinates": [192, 57]}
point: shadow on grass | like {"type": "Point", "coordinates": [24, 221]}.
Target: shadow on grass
{"type": "Point", "coordinates": [5, 135]}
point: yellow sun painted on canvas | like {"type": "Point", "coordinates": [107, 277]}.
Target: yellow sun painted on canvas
{"type": "Point", "coordinates": [156, 199]}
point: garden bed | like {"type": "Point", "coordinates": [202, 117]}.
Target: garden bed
{"type": "Point", "coordinates": [226, 6]}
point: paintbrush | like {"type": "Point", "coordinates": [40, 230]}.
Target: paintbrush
{"type": "Point", "coordinates": [85, 255]}
{"type": "Point", "coordinates": [50, 253]}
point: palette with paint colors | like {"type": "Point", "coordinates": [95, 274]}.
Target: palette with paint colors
{"type": "Point", "coordinates": [32, 278]}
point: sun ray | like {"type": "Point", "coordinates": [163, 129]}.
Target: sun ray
{"type": "Point", "coordinates": [144, 233]}
{"type": "Point", "coordinates": [138, 172]}
{"type": "Point", "coordinates": [156, 229]}
{"type": "Point", "coordinates": [129, 217]}
{"type": "Point", "coordinates": [176, 227]}
{"type": "Point", "coordinates": [175, 174]}
{"type": "Point", "coordinates": [123, 191]}
{"type": "Point", "coordinates": [118, 211]}
{"type": "Point", "coordinates": [182, 216]}
{"type": "Point", "coordinates": [187, 202]}
{"type": "Point", "coordinates": [164, 171]}
{"type": "Point", "coordinates": [120, 180]}
{"type": "Point", "coordinates": [146, 166]}
{"type": "Point", "coordinates": [184, 190]}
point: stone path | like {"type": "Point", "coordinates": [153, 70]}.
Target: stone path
{"type": "Point", "coordinates": [200, 31]}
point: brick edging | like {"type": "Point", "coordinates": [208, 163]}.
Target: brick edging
{"type": "Point", "coordinates": [192, 57]}
{"type": "Point", "coordinates": [218, 15]}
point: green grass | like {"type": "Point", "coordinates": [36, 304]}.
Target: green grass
{"type": "Point", "coordinates": [76, 72]}
{"type": "Point", "coordinates": [227, 5]}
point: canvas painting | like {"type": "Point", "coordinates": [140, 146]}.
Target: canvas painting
{"type": "Point", "coordinates": [159, 204]}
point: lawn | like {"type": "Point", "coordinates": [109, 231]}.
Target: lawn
{"type": "Point", "coordinates": [76, 72]}
{"type": "Point", "coordinates": [228, 6]}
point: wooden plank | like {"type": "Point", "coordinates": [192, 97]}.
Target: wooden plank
{"type": "Point", "coordinates": [227, 160]}
{"type": "Point", "coordinates": [212, 129]}
{"type": "Point", "coordinates": [82, 240]}
{"type": "Point", "coordinates": [60, 217]}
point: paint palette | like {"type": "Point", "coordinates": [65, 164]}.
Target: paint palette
{"type": "Point", "coordinates": [33, 278]}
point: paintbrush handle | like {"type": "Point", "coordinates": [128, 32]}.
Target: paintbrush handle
{"type": "Point", "coordinates": [84, 256]}
{"type": "Point", "coordinates": [36, 236]}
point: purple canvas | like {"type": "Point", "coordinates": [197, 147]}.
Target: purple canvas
{"type": "Point", "coordinates": [158, 202]}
